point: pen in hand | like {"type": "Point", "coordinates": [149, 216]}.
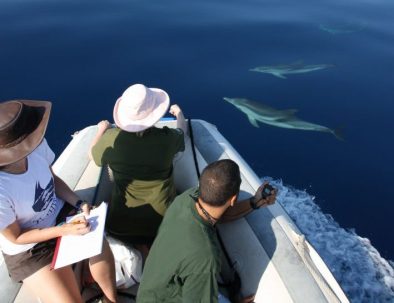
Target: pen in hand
{"type": "Point", "coordinates": [80, 220]}
{"type": "Point", "coordinates": [75, 222]}
{"type": "Point", "coordinates": [77, 226]}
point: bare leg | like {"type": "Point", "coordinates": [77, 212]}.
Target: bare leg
{"type": "Point", "coordinates": [57, 285]}
{"type": "Point", "coordinates": [102, 268]}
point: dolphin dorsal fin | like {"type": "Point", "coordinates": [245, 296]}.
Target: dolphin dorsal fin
{"type": "Point", "coordinates": [253, 121]}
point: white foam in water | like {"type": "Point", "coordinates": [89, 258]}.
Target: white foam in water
{"type": "Point", "coordinates": [358, 267]}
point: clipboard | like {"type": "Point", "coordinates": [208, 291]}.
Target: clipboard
{"type": "Point", "coordinates": [74, 248]}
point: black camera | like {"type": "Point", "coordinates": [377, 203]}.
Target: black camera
{"type": "Point", "coordinates": [267, 190]}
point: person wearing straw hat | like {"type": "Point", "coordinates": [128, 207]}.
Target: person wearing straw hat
{"type": "Point", "coordinates": [32, 200]}
{"type": "Point", "coordinates": [140, 156]}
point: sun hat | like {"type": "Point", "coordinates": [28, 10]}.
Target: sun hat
{"type": "Point", "coordinates": [140, 107]}
{"type": "Point", "coordinates": [22, 127]}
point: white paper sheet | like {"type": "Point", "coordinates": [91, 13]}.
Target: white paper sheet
{"type": "Point", "coordinates": [74, 248]}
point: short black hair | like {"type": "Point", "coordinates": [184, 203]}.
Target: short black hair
{"type": "Point", "coordinates": [219, 181]}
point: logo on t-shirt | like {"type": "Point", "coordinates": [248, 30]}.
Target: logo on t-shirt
{"type": "Point", "coordinates": [43, 196]}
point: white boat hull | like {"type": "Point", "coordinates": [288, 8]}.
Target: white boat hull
{"type": "Point", "coordinates": [268, 251]}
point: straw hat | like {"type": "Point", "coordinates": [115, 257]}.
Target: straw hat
{"type": "Point", "coordinates": [22, 127]}
{"type": "Point", "coordinates": [140, 107]}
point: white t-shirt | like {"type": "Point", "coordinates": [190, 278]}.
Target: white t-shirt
{"type": "Point", "coordinates": [29, 198]}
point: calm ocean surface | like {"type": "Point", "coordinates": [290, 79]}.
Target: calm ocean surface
{"type": "Point", "coordinates": [82, 55]}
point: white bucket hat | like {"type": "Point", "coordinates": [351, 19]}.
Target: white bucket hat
{"type": "Point", "coordinates": [140, 107]}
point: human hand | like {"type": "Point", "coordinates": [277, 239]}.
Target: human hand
{"type": "Point", "coordinates": [78, 226]}
{"type": "Point", "coordinates": [103, 126]}
{"type": "Point", "coordinates": [267, 200]}
{"type": "Point", "coordinates": [175, 110]}
{"type": "Point", "coordinates": [85, 208]}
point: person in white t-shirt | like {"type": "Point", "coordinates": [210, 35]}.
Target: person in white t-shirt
{"type": "Point", "coordinates": [32, 201]}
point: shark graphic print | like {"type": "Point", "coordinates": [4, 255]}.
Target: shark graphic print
{"type": "Point", "coordinates": [44, 200]}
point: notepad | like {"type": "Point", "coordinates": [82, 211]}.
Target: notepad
{"type": "Point", "coordinates": [74, 248]}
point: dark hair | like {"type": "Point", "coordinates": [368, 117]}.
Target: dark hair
{"type": "Point", "coordinates": [219, 181]}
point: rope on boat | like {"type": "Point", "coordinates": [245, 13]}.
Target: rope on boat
{"type": "Point", "coordinates": [189, 122]}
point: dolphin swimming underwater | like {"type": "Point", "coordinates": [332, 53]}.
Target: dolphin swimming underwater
{"type": "Point", "coordinates": [345, 28]}
{"type": "Point", "coordinates": [258, 112]}
{"type": "Point", "coordinates": [286, 69]}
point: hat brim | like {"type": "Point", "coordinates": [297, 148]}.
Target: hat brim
{"type": "Point", "coordinates": [14, 153]}
{"type": "Point", "coordinates": [162, 103]}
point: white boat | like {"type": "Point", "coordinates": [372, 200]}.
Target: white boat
{"type": "Point", "coordinates": [270, 254]}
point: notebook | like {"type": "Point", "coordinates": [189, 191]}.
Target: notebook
{"type": "Point", "coordinates": [74, 248]}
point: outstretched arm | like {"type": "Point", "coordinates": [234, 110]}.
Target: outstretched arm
{"type": "Point", "coordinates": [102, 127]}
{"type": "Point", "coordinates": [180, 118]}
{"type": "Point", "coordinates": [244, 207]}
{"type": "Point", "coordinates": [16, 235]}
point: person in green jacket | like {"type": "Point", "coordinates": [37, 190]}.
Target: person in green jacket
{"type": "Point", "coordinates": [140, 157]}
{"type": "Point", "coordinates": [184, 262]}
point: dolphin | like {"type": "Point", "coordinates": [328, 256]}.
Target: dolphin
{"type": "Point", "coordinates": [258, 112]}
{"type": "Point", "coordinates": [345, 28]}
{"type": "Point", "coordinates": [285, 69]}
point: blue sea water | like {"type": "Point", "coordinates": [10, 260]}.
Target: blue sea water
{"type": "Point", "coordinates": [82, 55]}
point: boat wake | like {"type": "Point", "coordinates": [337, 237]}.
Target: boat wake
{"type": "Point", "coordinates": [358, 267]}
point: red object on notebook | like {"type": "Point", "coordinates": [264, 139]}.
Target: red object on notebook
{"type": "Point", "coordinates": [55, 253]}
